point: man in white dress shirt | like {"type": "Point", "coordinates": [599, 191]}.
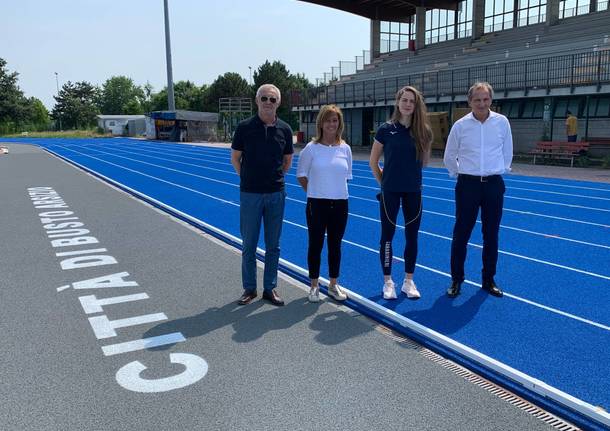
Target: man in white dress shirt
{"type": "Point", "coordinates": [479, 150]}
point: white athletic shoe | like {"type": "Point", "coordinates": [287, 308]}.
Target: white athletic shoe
{"type": "Point", "coordinates": [409, 288]}
{"type": "Point", "coordinates": [314, 294]}
{"type": "Point", "coordinates": [389, 290]}
{"type": "Point", "coordinates": [336, 292]}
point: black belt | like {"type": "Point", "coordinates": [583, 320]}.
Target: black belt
{"type": "Point", "coordinates": [482, 179]}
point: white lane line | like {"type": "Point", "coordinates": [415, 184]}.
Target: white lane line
{"type": "Point", "coordinates": [543, 262]}
{"type": "Point", "coordinates": [531, 232]}
{"type": "Point", "coordinates": [534, 200]}
{"type": "Point", "coordinates": [355, 185]}
{"type": "Point", "coordinates": [571, 220]}
{"type": "Point", "coordinates": [527, 381]}
{"type": "Point", "coordinates": [209, 150]}
{"type": "Point", "coordinates": [153, 177]}
{"type": "Point", "coordinates": [509, 177]}
{"type": "Point", "coordinates": [515, 297]}
{"type": "Point", "coordinates": [356, 197]}
{"type": "Point", "coordinates": [511, 188]}
{"type": "Point", "coordinates": [507, 196]}
{"type": "Point", "coordinates": [527, 301]}
{"type": "Point", "coordinates": [528, 213]}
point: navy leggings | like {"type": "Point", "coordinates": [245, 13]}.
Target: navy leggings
{"type": "Point", "coordinates": [389, 204]}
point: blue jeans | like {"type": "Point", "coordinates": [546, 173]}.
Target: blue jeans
{"type": "Point", "coordinates": [270, 208]}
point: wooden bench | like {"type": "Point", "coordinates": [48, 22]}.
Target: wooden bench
{"type": "Point", "coordinates": [599, 146]}
{"type": "Point", "coordinates": [559, 150]}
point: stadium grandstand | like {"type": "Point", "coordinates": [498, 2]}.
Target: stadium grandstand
{"type": "Point", "coordinates": [543, 58]}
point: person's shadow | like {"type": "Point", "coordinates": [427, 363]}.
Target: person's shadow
{"type": "Point", "coordinates": [253, 326]}
{"type": "Point", "coordinates": [446, 315]}
{"type": "Point", "coordinates": [337, 326]}
{"type": "Point", "coordinates": [247, 323]}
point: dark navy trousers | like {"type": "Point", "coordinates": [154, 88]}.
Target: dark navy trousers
{"type": "Point", "coordinates": [472, 193]}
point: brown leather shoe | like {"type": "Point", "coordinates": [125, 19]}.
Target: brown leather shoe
{"type": "Point", "coordinates": [247, 297]}
{"type": "Point", "coordinates": [273, 297]}
{"type": "Point", "coordinates": [492, 288]}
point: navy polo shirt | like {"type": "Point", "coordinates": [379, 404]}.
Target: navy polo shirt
{"type": "Point", "coordinates": [402, 172]}
{"type": "Point", "coordinates": [263, 149]}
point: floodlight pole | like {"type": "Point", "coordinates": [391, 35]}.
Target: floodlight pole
{"type": "Point", "coordinates": [57, 84]}
{"type": "Point", "coordinates": [168, 57]}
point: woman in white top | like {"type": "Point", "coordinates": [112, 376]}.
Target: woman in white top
{"type": "Point", "coordinates": [325, 165]}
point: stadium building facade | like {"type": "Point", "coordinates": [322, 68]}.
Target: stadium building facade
{"type": "Point", "coordinates": [543, 58]}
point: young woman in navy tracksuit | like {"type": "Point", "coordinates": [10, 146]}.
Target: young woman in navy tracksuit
{"type": "Point", "coordinates": [404, 141]}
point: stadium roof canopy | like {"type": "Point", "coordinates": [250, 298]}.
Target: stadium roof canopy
{"type": "Point", "coordinates": [385, 10]}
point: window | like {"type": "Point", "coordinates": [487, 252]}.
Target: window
{"type": "Point", "coordinates": [560, 108]}
{"type": "Point", "coordinates": [440, 25]}
{"type": "Point", "coordinates": [569, 8]}
{"type": "Point", "coordinates": [603, 107]}
{"type": "Point", "coordinates": [464, 19]}
{"type": "Point", "coordinates": [531, 12]}
{"type": "Point", "coordinates": [531, 108]}
{"type": "Point", "coordinates": [599, 107]}
{"type": "Point", "coordinates": [564, 105]}
{"type": "Point", "coordinates": [382, 114]}
{"type": "Point", "coordinates": [510, 109]}
{"type": "Point", "coordinates": [111, 123]}
{"type": "Point", "coordinates": [396, 35]}
{"type": "Point", "coordinates": [498, 15]}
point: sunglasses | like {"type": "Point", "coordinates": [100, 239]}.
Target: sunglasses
{"type": "Point", "coordinates": [270, 99]}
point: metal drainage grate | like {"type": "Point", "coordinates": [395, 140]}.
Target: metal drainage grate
{"type": "Point", "coordinates": [496, 390]}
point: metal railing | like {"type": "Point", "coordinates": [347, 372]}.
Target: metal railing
{"type": "Point", "coordinates": [590, 68]}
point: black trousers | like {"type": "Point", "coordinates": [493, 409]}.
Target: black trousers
{"type": "Point", "coordinates": [471, 194]}
{"type": "Point", "coordinates": [325, 216]}
{"type": "Point", "coordinates": [389, 204]}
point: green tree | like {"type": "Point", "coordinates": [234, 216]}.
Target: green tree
{"type": "Point", "coordinates": [13, 105]}
{"type": "Point", "coordinates": [17, 112]}
{"type": "Point", "coordinates": [228, 85]}
{"type": "Point", "coordinates": [274, 73]}
{"type": "Point", "coordinates": [187, 95]}
{"type": "Point", "coordinates": [38, 112]}
{"type": "Point", "coordinates": [119, 95]}
{"type": "Point", "coordinates": [76, 105]}
{"type": "Point", "coordinates": [148, 94]}
{"type": "Point", "coordinates": [277, 74]}
{"type": "Point", "coordinates": [158, 101]}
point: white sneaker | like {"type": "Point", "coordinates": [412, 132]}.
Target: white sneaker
{"type": "Point", "coordinates": [314, 294]}
{"type": "Point", "coordinates": [336, 292]}
{"type": "Point", "coordinates": [389, 290]}
{"type": "Point", "coordinates": [409, 288]}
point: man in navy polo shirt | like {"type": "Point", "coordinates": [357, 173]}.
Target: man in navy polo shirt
{"type": "Point", "coordinates": [261, 154]}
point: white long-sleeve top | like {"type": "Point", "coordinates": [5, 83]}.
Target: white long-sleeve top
{"type": "Point", "coordinates": [481, 149]}
{"type": "Point", "coordinates": [327, 169]}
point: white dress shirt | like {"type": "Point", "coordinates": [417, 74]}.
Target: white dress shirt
{"type": "Point", "coordinates": [327, 169]}
{"type": "Point", "coordinates": [480, 149]}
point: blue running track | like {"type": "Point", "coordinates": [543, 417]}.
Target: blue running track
{"type": "Point", "coordinates": [548, 338]}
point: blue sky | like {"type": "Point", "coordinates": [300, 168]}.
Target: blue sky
{"type": "Point", "coordinates": [92, 40]}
